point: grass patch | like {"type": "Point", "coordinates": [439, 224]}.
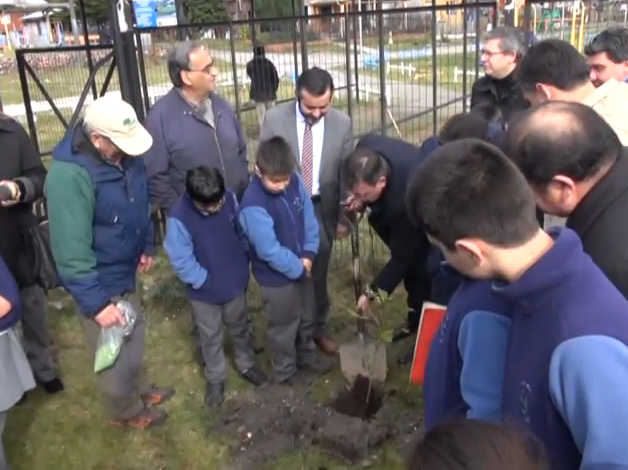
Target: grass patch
{"type": "Point", "coordinates": [71, 432]}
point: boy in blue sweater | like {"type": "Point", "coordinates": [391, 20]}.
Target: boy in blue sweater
{"type": "Point", "coordinates": [278, 218]}
{"type": "Point", "coordinates": [208, 253]}
{"type": "Point", "coordinates": [537, 336]}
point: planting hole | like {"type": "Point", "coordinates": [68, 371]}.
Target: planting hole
{"type": "Point", "coordinates": [353, 401]}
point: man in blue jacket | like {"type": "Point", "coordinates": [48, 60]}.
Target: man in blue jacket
{"type": "Point", "coordinates": [101, 236]}
{"type": "Point", "coordinates": [540, 337]}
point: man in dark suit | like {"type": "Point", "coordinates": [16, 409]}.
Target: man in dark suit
{"type": "Point", "coordinates": [376, 174]}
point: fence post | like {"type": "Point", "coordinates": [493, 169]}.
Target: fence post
{"type": "Point", "coordinates": [26, 96]}
{"type": "Point", "coordinates": [234, 68]}
{"type": "Point", "coordinates": [348, 61]}
{"type": "Point", "coordinates": [304, 28]}
{"type": "Point", "coordinates": [356, 70]}
{"type": "Point", "coordinates": [382, 68]}
{"type": "Point", "coordinates": [465, 28]}
{"type": "Point", "coordinates": [434, 68]}
{"type": "Point", "coordinates": [88, 51]}
{"type": "Point", "coordinates": [294, 38]}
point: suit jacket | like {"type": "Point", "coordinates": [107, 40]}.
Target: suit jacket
{"type": "Point", "coordinates": [281, 121]}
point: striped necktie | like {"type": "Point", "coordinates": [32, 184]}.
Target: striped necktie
{"type": "Point", "coordinates": [307, 159]}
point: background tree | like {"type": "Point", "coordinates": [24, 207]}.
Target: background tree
{"type": "Point", "coordinates": [205, 11]}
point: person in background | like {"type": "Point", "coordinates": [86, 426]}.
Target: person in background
{"type": "Point", "coordinates": [503, 49]}
{"type": "Point", "coordinates": [607, 56]}
{"type": "Point", "coordinates": [476, 445]}
{"type": "Point", "coordinates": [578, 171]}
{"type": "Point", "coordinates": [526, 287]}
{"type": "Point", "coordinates": [264, 82]}
{"type": "Point", "coordinates": [554, 70]}
{"type": "Point", "coordinates": [278, 218]}
{"type": "Point", "coordinates": [101, 236]}
{"type": "Point", "coordinates": [375, 175]}
{"type": "Point", "coordinates": [320, 137]}
{"type": "Point", "coordinates": [22, 175]}
{"type": "Point", "coordinates": [16, 376]}
{"type": "Point", "coordinates": [192, 126]}
{"type": "Point", "coordinates": [206, 250]}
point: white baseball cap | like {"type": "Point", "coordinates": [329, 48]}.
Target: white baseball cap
{"type": "Point", "coordinates": [116, 119]}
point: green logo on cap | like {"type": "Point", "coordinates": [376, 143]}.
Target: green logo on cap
{"type": "Point", "coordinates": [129, 122]}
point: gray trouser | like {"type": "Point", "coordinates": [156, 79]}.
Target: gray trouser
{"type": "Point", "coordinates": [262, 107]}
{"type": "Point", "coordinates": [122, 384]}
{"type": "Point", "coordinates": [211, 321]}
{"type": "Point", "coordinates": [36, 335]}
{"type": "Point", "coordinates": [4, 465]}
{"type": "Point", "coordinates": [288, 343]}
{"type": "Point", "coordinates": [320, 270]}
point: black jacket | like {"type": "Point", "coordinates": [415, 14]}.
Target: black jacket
{"type": "Point", "coordinates": [264, 79]}
{"type": "Point", "coordinates": [601, 221]}
{"type": "Point", "coordinates": [504, 93]}
{"type": "Point", "coordinates": [408, 244]}
{"type": "Point", "coordinates": [21, 163]}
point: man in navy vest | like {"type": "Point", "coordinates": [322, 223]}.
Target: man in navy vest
{"type": "Point", "coordinates": [101, 236]}
{"type": "Point", "coordinates": [538, 335]}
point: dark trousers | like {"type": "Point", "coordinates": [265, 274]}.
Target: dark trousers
{"type": "Point", "coordinates": [288, 340]}
{"type": "Point", "coordinates": [320, 271]}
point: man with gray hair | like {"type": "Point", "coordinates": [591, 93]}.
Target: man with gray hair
{"type": "Point", "coordinates": [503, 47]}
{"type": "Point", "coordinates": [193, 126]}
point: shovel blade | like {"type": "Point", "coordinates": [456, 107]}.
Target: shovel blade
{"type": "Point", "coordinates": [367, 358]}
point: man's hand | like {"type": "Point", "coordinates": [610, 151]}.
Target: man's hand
{"type": "Point", "coordinates": [109, 316]}
{"type": "Point", "coordinates": [352, 204]}
{"type": "Point", "coordinates": [342, 231]}
{"type": "Point", "coordinates": [145, 263]}
{"type": "Point", "coordinates": [307, 264]}
{"type": "Point", "coordinates": [12, 192]}
{"type": "Point", "coordinates": [364, 305]}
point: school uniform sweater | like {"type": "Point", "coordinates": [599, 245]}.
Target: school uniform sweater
{"type": "Point", "coordinates": [207, 252]}
{"type": "Point", "coordinates": [9, 290]}
{"type": "Point", "coordinates": [548, 351]}
{"type": "Point", "coordinates": [282, 229]}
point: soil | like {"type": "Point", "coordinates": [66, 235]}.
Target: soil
{"type": "Point", "coordinates": [362, 400]}
{"type": "Point", "coordinates": [266, 423]}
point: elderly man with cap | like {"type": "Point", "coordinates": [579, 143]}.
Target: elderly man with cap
{"type": "Point", "coordinates": [101, 236]}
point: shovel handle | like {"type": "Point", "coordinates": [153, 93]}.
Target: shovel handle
{"type": "Point", "coordinates": [361, 325]}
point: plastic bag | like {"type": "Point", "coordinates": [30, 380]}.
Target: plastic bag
{"type": "Point", "coordinates": [111, 339]}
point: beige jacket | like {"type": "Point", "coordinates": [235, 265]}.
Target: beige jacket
{"type": "Point", "coordinates": [611, 102]}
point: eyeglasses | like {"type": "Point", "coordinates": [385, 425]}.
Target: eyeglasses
{"type": "Point", "coordinates": [206, 70]}
{"type": "Point", "coordinates": [491, 53]}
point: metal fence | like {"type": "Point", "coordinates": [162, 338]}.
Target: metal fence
{"type": "Point", "coordinates": [401, 72]}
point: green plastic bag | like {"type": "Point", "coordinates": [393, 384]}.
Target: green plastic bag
{"type": "Point", "coordinates": [111, 339]}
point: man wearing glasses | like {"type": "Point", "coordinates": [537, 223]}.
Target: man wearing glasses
{"type": "Point", "coordinates": [193, 126]}
{"type": "Point", "coordinates": [503, 48]}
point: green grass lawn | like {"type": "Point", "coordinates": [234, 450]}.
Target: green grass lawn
{"type": "Point", "coordinates": [70, 432]}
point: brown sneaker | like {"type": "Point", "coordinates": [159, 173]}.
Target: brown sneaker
{"type": "Point", "coordinates": [157, 396]}
{"type": "Point", "coordinates": [326, 345]}
{"type": "Point", "coordinates": [147, 418]}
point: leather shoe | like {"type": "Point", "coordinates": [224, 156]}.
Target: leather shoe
{"type": "Point", "coordinates": [53, 386]}
{"type": "Point", "coordinates": [214, 395]}
{"type": "Point", "coordinates": [326, 345]}
{"type": "Point", "coordinates": [255, 376]}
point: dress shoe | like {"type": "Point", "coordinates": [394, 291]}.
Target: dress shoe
{"type": "Point", "coordinates": [255, 376]}
{"type": "Point", "coordinates": [317, 365]}
{"type": "Point", "coordinates": [53, 386]}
